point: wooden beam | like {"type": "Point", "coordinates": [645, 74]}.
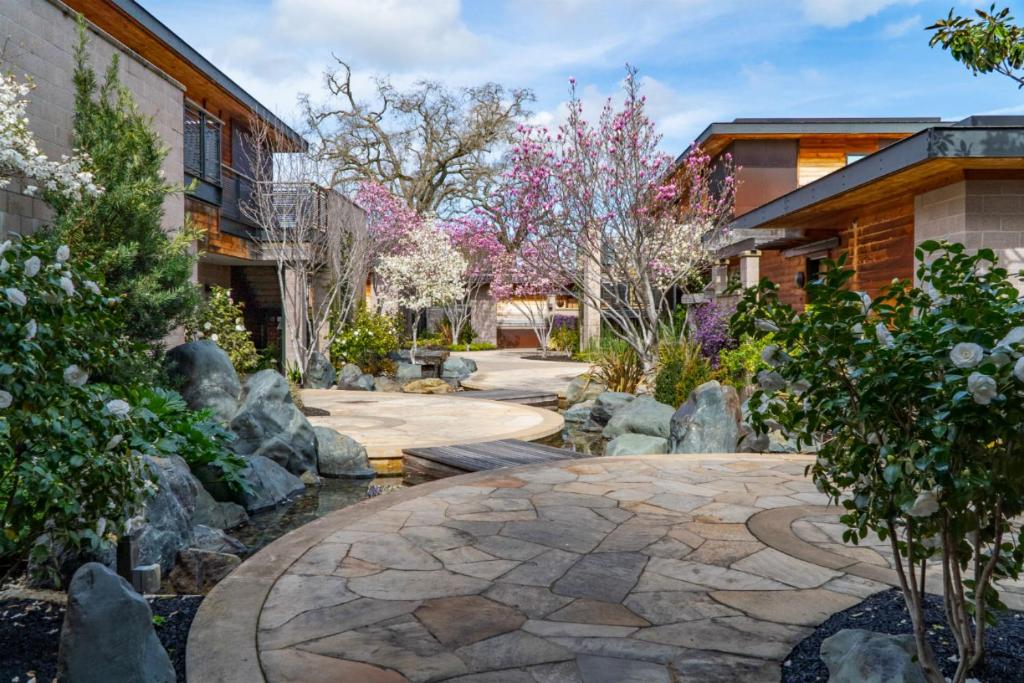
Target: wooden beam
{"type": "Point", "coordinates": [811, 248]}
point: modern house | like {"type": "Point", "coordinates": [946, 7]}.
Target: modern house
{"type": "Point", "coordinates": [201, 114]}
{"type": "Point", "coordinates": [959, 181]}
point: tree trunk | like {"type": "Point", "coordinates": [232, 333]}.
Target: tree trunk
{"type": "Point", "coordinates": [415, 332]}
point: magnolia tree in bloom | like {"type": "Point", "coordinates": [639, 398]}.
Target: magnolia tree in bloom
{"type": "Point", "coordinates": [473, 238]}
{"type": "Point", "coordinates": [429, 271]}
{"type": "Point", "coordinates": [529, 289]}
{"type": "Point", "coordinates": [598, 210]}
{"type": "Point", "coordinates": [918, 399]}
{"type": "Point", "coordinates": [21, 159]}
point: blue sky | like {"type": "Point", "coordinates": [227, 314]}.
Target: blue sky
{"type": "Point", "coordinates": [701, 60]}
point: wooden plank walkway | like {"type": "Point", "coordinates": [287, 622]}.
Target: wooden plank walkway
{"type": "Point", "coordinates": [426, 464]}
{"type": "Point", "coordinates": [528, 397]}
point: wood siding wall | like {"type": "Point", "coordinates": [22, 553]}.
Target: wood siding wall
{"type": "Point", "coordinates": [880, 244]}
{"type": "Point", "coordinates": [819, 156]}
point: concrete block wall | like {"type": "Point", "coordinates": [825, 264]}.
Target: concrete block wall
{"type": "Point", "coordinates": [37, 38]}
{"type": "Point", "coordinates": [979, 213]}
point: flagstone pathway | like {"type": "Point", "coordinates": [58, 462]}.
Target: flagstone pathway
{"type": "Point", "coordinates": [650, 569]}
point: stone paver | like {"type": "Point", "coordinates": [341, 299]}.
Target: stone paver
{"type": "Point", "coordinates": [708, 570]}
{"type": "Point", "coordinates": [506, 369]}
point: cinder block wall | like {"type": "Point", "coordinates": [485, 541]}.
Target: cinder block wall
{"type": "Point", "coordinates": [37, 38]}
{"type": "Point", "coordinates": [979, 213]}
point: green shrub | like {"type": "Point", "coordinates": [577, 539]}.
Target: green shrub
{"type": "Point", "coordinates": [920, 396]}
{"type": "Point", "coordinates": [682, 367]}
{"type": "Point", "coordinates": [221, 320]}
{"type": "Point", "coordinates": [739, 367]}
{"type": "Point", "coordinates": [565, 338]}
{"type": "Point", "coordinates": [367, 341]}
{"type": "Point", "coordinates": [66, 461]}
{"type": "Point", "coordinates": [120, 231]}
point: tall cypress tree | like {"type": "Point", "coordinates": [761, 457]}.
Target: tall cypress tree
{"type": "Point", "coordinates": [120, 231]}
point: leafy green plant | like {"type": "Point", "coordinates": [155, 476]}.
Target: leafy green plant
{"type": "Point", "coordinates": [618, 367]}
{"type": "Point", "coordinates": [221, 320]}
{"type": "Point", "coordinates": [164, 425]}
{"type": "Point", "coordinates": [66, 467]}
{"type": "Point", "coordinates": [921, 394]}
{"type": "Point", "coordinates": [367, 341]}
{"type": "Point", "coordinates": [739, 367]}
{"type": "Point", "coordinates": [120, 230]}
{"type": "Point", "coordinates": [565, 338]}
{"type": "Point", "coordinates": [682, 367]}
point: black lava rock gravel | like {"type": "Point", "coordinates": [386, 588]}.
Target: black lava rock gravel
{"type": "Point", "coordinates": [886, 612]}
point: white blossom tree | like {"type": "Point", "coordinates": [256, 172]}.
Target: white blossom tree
{"type": "Point", "coordinates": [428, 271]}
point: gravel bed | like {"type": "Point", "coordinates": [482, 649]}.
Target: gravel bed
{"type": "Point", "coordinates": [886, 612]}
{"type": "Point", "coordinates": [30, 635]}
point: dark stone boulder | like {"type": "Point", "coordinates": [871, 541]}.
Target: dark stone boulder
{"type": "Point", "coordinates": [203, 373]}
{"type": "Point", "coordinates": [167, 516]}
{"type": "Point", "coordinates": [457, 368]}
{"type": "Point", "coordinates": [215, 540]}
{"type": "Point", "coordinates": [859, 656]}
{"type": "Point", "coordinates": [352, 378]}
{"type": "Point", "coordinates": [269, 485]}
{"type": "Point", "coordinates": [636, 444]}
{"type": "Point", "coordinates": [642, 415]}
{"type": "Point", "coordinates": [197, 570]}
{"type": "Point", "coordinates": [583, 388]}
{"type": "Point", "coordinates": [579, 414]}
{"type": "Point", "coordinates": [607, 403]}
{"type": "Point", "coordinates": [341, 456]}
{"type": "Point", "coordinates": [319, 372]}
{"type": "Point", "coordinates": [407, 372]}
{"type": "Point", "coordinates": [269, 424]}
{"type": "Point", "coordinates": [108, 633]}
{"type": "Point", "coordinates": [709, 421]}
{"type": "Point", "coordinates": [219, 515]}
{"type": "Point", "coordinates": [382, 383]}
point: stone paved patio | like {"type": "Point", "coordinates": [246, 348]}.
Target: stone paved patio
{"type": "Point", "coordinates": [506, 369]}
{"type": "Point", "coordinates": [652, 569]}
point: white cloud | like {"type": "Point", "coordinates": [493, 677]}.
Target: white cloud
{"type": "Point", "coordinates": [897, 29]}
{"type": "Point", "coordinates": [839, 13]}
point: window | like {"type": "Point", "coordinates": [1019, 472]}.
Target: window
{"type": "Point", "coordinates": [202, 145]}
{"type": "Point", "coordinates": [850, 158]}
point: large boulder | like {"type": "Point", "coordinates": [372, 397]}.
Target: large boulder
{"type": "Point", "coordinates": [457, 368]}
{"type": "Point", "coordinates": [215, 540]}
{"type": "Point", "coordinates": [352, 378]}
{"type": "Point", "coordinates": [203, 373]}
{"type": "Point", "coordinates": [606, 403]}
{"type": "Point", "coordinates": [197, 570]}
{"type": "Point", "coordinates": [430, 385]}
{"type": "Point", "coordinates": [269, 424]}
{"type": "Point", "coordinates": [709, 421]}
{"type": "Point", "coordinates": [269, 485]}
{"type": "Point", "coordinates": [319, 372]}
{"type": "Point", "coordinates": [643, 415]}
{"type": "Point", "coordinates": [382, 383]}
{"type": "Point", "coordinates": [579, 414]}
{"type": "Point", "coordinates": [583, 388]}
{"type": "Point", "coordinates": [167, 516]}
{"type": "Point", "coordinates": [216, 514]}
{"type": "Point", "coordinates": [859, 656]}
{"type": "Point", "coordinates": [341, 456]}
{"type": "Point", "coordinates": [636, 444]}
{"type": "Point", "coordinates": [108, 633]}
{"type": "Point", "coordinates": [407, 372]}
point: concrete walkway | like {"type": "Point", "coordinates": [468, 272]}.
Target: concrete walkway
{"type": "Point", "coordinates": [650, 569]}
{"type": "Point", "coordinates": [508, 369]}
{"type": "Point", "coordinates": [388, 422]}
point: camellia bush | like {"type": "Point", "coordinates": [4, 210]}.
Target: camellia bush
{"type": "Point", "coordinates": [220, 320]}
{"type": "Point", "coordinates": [67, 470]}
{"type": "Point", "coordinates": [367, 341]}
{"type": "Point", "coordinates": [917, 399]}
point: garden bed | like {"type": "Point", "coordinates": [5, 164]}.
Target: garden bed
{"type": "Point", "coordinates": [886, 612]}
{"type": "Point", "coordinates": [30, 634]}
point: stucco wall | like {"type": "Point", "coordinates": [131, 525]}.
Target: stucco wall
{"type": "Point", "coordinates": [978, 213]}
{"type": "Point", "coordinates": [38, 39]}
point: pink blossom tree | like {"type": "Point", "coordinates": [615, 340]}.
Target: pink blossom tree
{"type": "Point", "coordinates": [597, 211]}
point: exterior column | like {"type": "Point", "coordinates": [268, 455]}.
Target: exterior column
{"type": "Point", "coordinates": [750, 268]}
{"type": "Point", "coordinates": [720, 278]}
{"type": "Point", "coordinates": [589, 314]}
{"type": "Point", "coordinates": [293, 318]}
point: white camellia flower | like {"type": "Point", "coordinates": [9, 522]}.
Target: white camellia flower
{"type": "Point", "coordinates": [5, 399]}
{"type": "Point", "coordinates": [4, 266]}
{"type": "Point", "coordinates": [214, 337]}
{"type": "Point", "coordinates": [4, 246]}
{"type": "Point", "coordinates": [239, 328]}
{"type": "Point", "coordinates": [766, 325]}
{"type": "Point", "coordinates": [32, 266]}
{"type": "Point", "coordinates": [30, 329]}
{"type": "Point", "coordinates": [925, 505]}
{"type": "Point", "coordinates": [63, 253]}
{"type": "Point", "coordinates": [966, 355]}
{"type": "Point", "coordinates": [75, 376]}
{"type": "Point", "coordinates": [207, 326]}
{"type": "Point", "coordinates": [982, 387]}
{"type": "Point", "coordinates": [118, 408]}
{"type": "Point", "coordinates": [865, 302]}
{"type": "Point", "coordinates": [885, 337]}
{"type": "Point", "coordinates": [770, 380]}
{"type": "Point", "coordinates": [1014, 336]}
{"type": "Point", "coordinates": [16, 296]}
{"type": "Point", "coordinates": [1018, 369]}
{"type": "Point", "coordinates": [68, 286]}
{"type": "Point", "coordinates": [92, 287]}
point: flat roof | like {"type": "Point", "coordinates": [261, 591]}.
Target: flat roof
{"type": "Point", "coordinates": [813, 125]}
{"type": "Point", "coordinates": [140, 14]}
{"type": "Point", "coordinates": [958, 145]}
